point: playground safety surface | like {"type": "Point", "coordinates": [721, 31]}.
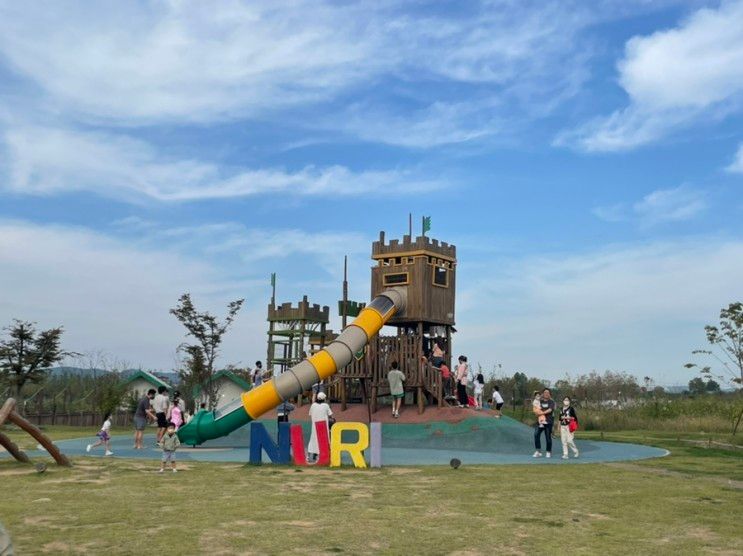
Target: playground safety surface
{"type": "Point", "coordinates": [475, 439]}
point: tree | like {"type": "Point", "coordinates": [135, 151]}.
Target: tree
{"type": "Point", "coordinates": [206, 329]}
{"type": "Point", "coordinates": [726, 340]}
{"type": "Point", "coordinates": [26, 355]}
{"type": "Point", "coordinates": [697, 386]}
{"type": "Point", "coordinates": [192, 373]}
{"type": "Point", "coordinates": [712, 386]}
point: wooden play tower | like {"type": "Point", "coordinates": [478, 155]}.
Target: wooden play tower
{"type": "Point", "coordinates": [426, 268]}
{"type": "Point", "coordinates": [291, 332]}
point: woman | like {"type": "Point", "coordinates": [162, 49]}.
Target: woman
{"type": "Point", "coordinates": [567, 417]}
{"type": "Point", "coordinates": [437, 355]}
{"type": "Point", "coordinates": [463, 372]}
{"type": "Point", "coordinates": [319, 411]}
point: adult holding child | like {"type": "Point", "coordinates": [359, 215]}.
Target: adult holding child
{"type": "Point", "coordinates": [161, 405]}
{"type": "Point", "coordinates": [545, 423]}
{"type": "Point", "coordinates": [568, 426]}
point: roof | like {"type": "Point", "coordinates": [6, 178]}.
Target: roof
{"type": "Point", "coordinates": [228, 375]}
{"type": "Point", "coordinates": [149, 377]}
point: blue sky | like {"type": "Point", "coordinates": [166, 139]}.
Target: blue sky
{"type": "Point", "coordinates": [585, 157]}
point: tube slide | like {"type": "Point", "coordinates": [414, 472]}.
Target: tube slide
{"type": "Point", "coordinates": [207, 425]}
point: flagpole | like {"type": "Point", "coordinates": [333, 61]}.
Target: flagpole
{"type": "Point", "coordinates": [423, 225]}
{"type": "Point", "coordinates": [410, 224]}
{"type": "Point", "coordinates": [345, 291]}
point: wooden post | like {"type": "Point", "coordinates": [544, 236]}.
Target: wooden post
{"type": "Point", "coordinates": [6, 410]}
{"type": "Point", "coordinates": [13, 449]}
{"type": "Point", "coordinates": [343, 394]}
{"type": "Point", "coordinates": [42, 439]}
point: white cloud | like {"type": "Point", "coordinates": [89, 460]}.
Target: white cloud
{"type": "Point", "coordinates": [737, 165]}
{"type": "Point", "coordinates": [669, 205]}
{"type": "Point", "coordinates": [673, 78]}
{"type": "Point", "coordinates": [659, 206]}
{"type": "Point", "coordinates": [113, 292]}
{"type": "Point", "coordinates": [635, 307]}
{"type": "Point", "coordinates": [134, 63]}
{"type": "Point", "coordinates": [50, 160]}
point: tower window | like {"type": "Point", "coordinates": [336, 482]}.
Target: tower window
{"type": "Point", "coordinates": [396, 279]}
{"type": "Point", "coordinates": [440, 277]}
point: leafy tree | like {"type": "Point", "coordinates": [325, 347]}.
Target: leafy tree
{"type": "Point", "coordinates": [697, 386]}
{"type": "Point", "coordinates": [208, 331]}
{"type": "Point", "coordinates": [26, 355]}
{"type": "Point", "coordinates": [726, 340]}
{"type": "Point", "coordinates": [712, 386]}
{"type": "Point", "coordinates": [192, 373]}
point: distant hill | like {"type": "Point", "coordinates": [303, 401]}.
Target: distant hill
{"type": "Point", "coordinates": [170, 377]}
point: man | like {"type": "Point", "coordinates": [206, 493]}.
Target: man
{"type": "Point", "coordinates": [258, 374]}
{"type": "Point", "coordinates": [547, 409]}
{"type": "Point", "coordinates": [160, 405]}
{"type": "Point", "coordinates": [396, 378]}
{"type": "Point", "coordinates": [141, 416]}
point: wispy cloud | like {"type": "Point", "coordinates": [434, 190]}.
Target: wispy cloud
{"type": "Point", "coordinates": [670, 205]}
{"type": "Point", "coordinates": [673, 79]}
{"type": "Point", "coordinates": [736, 166]}
{"type": "Point", "coordinates": [50, 160]}
{"type": "Point", "coordinates": [112, 290]}
{"type": "Point", "coordinates": [659, 206]}
{"type": "Point", "coordinates": [446, 76]}
{"type": "Point", "coordinates": [637, 307]}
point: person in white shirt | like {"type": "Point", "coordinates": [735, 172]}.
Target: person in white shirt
{"type": "Point", "coordinates": [479, 386]}
{"type": "Point", "coordinates": [497, 401]}
{"type": "Point", "coordinates": [319, 411]}
{"type": "Point", "coordinates": [160, 404]}
{"type": "Point", "coordinates": [104, 438]}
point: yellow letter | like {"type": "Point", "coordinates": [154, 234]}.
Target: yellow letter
{"type": "Point", "coordinates": [354, 449]}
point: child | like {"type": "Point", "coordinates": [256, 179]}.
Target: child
{"type": "Point", "coordinates": [479, 387]}
{"type": "Point", "coordinates": [446, 380]}
{"type": "Point", "coordinates": [497, 401]}
{"type": "Point", "coordinates": [536, 407]}
{"type": "Point", "coordinates": [176, 413]}
{"type": "Point", "coordinates": [170, 445]}
{"type": "Point", "coordinates": [103, 436]}
{"type": "Point", "coordinates": [396, 379]}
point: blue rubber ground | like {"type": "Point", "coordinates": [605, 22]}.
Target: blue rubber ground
{"type": "Point", "coordinates": [473, 442]}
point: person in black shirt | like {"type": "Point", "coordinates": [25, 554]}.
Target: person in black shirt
{"type": "Point", "coordinates": [567, 415]}
{"type": "Point", "coordinates": [547, 407]}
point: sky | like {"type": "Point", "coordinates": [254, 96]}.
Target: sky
{"type": "Point", "coordinates": [586, 158]}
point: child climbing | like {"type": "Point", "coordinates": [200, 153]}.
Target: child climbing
{"type": "Point", "coordinates": [104, 438]}
{"type": "Point", "coordinates": [170, 444]}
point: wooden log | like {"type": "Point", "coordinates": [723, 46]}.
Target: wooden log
{"type": "Point", "coordinates": [6, 410]}
{"type": "Point", "coordinates": [13, 449]}
{"type": "Point", "coordinates": [42, 439]}
{"type": "Point", "coordinates": [343, 394]}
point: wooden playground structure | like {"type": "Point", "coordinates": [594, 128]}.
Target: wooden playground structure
{"type": "Point", "coordinates": [426, 268]}
{"type": "Point", "coordinates": [8, 413]}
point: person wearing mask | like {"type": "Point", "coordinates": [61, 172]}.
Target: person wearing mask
{"type": "Point", "coordinates": [463, 372]}
{"type": "Point", "coordinates": [547, 409]}
{"type": "Point", "coordinates": [568, 426]}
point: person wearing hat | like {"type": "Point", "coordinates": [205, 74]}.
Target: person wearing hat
{"type": "Point", "coordinates": [319, 411]}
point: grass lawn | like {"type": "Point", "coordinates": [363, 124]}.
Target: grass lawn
{"type": "Point", "coordinates": [687, 503]}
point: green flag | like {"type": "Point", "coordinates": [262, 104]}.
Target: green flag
{"type": "Point", "coordinates": [426, 224]}
{"type": "Point", "coordinates": [273, 279]}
